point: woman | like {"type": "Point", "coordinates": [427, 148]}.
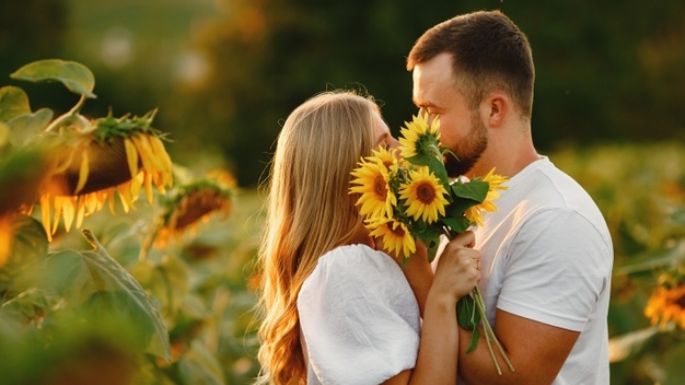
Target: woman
{"type": "Point", "coordinates": [337, 311]}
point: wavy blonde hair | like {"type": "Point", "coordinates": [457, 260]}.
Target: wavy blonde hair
{"type": "Point", "coordinates": [309, 213]}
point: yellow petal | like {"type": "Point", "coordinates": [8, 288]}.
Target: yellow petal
{"type": "Point", "coordinates": [91, 203]}
{"type": "Point", "coordinates": [143, 152]}
{"type": "Point", "coordinates": [157, 161]}
{"type": "Point", "coordinates": [45, 214]}
{"type": "Point", "coordinates": [136, 185]}
{"type": "Point", "coordinates": [6, 235]}
{"type": "Point", "coordinates": [58, 213]}
{"type": "Point", "coordinates": [68, 212]}
{"type": "Point", "coordinates": [110, 200]}
{"type": "Point", "coordinates": [83, 172]}
{"type": "Point", "coordinates": [161, 153]}
{"type": "Point", "coordinates": [131, 157]}
{"type": "Point", "coordinates": [80, 212]}
{"type": "Point", "coordinates": [124, 197]}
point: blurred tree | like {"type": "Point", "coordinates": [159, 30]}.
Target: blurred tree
{"type": "Point", "coordinates": [602, 73]}
{"type": "Point", "coordinates": [32, 30]}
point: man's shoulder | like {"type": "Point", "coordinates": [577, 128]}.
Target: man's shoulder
{"type": "Point", "coordinates": [549, 192]}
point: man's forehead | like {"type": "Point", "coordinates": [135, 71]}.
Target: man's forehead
{"type": "Point", "coordinates": [430, 77]}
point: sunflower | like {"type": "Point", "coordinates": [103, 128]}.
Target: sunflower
{"type": "Point", "coordinates": [388, 157]}
{"type": "Point", "coordinates": [667, 305]}
{"type": "Point", "coordinates": [118, 157]}
{"type": "Point", "coordinates": [194, 203]}
{"type": "Point", "coordinates": [420, 138]}
{"type": "Point", "coordinates": [424, 195]}
{"type": "Point", "coordinates": [396, 238]}
{"type": "Point", "coordinates": [495, 184]}
{"type": "Point", "coordinates": [372, 182]}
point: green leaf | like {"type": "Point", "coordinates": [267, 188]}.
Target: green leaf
{"type": "Point", "coordinates": [30, 241]}
{"type": "Point", "coordinates": [467, 313]}
{"type": "Point", "coordinates": [25, 127]}
{"type": "Point", "coordinates": [457, 225]}
{"type": "Point", "coordinates": [75, 76]}
{"type": "Point", "coordinates": [476, 190]}
{"type": "Point", "coordinates": [433, 249]}
{"type": "Point", "coordinates": [13, 102]}
{"type": "Point", "coordinates": [199, 366]}
{"type": "Point", "coordinates": [111, 276]}
{"type": "Point", "coordinates": [474, 340]}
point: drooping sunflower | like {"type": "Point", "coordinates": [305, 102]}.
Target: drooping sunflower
{"type": "Point", "coordinates": [395, 236]}
{"type": "Point", "coordinates": [419, 137]}
{"type": "Point", "coordinates": [667, 305]}
{"type": "Point", "coordinates": [371, 180]}
{"type": "Point", "coordinates": [495, 185]}
{"type": "Point", "coordinates": [194, 203]}
{"type": "Point", "coordinates": [424, 195]}
{"type": "Point", "coordinates": [93, 164]}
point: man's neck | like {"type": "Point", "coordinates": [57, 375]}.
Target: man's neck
{"type": "Point", "coordinates": [508, 155]}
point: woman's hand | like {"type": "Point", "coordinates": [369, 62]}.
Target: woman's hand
{"type": "Point", "coordinates": [458, 269]}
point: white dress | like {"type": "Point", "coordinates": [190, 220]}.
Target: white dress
{"type": "Point", "coordinates": [359, 318]}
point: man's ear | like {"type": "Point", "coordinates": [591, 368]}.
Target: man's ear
{"type": "Point", "coordinates": [495, 109]}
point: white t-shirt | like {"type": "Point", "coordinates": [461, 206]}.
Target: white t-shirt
{"type": "Point", "coordinates": [359, 318]}
{"type": "Point", "coordinates": [547, 256]}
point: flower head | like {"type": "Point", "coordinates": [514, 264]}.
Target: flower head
{"type": "Point", "coordinates": [193, 203]}
{"type": "Point", "coordinates": [395, 236]}
{"type": "Point", "coordinates": [419, 137]}
{"type": "Point", "coordinates": [424, 195]}
{"type": "Point", "coordinates": [119, 157]}
{"type": "Point", "coordinates": [667, 305]}
{"type": "Point", "coordinates": [495, 184]}
{"type": "Point", "coordinates": [371, 180]}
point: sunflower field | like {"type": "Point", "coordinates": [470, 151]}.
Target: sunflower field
{"type": "Point", "coordinates": [119, 265]}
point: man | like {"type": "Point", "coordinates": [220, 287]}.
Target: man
{"type": "Point", "coordinates": [546, 252]}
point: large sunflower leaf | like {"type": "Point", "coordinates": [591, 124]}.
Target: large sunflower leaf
{"type": "Point", "coordinates": [75, 76]}
{"type": "Point", "coordinates": [13, 102]}
{"type": "Point", "coordinates": [114, 278]}
{"type": "Point", "coordinates": [93, 281]}
{"type": "Point", "coordinates": [25, 127]}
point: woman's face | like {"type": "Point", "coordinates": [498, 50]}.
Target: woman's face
{"type": "Point", "coordinates": [381, 133]}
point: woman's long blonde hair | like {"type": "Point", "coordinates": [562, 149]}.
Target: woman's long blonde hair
{"type": "Point", "coordinates": [310, 212]}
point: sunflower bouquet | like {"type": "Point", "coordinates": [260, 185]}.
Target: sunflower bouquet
{"type": "Point", "coordinates": [405, 196]}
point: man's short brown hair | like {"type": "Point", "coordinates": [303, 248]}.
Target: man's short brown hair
{"type": "Point", "coordinates": [488, 50]}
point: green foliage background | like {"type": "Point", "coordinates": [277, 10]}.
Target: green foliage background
{"type": "Point", "coordinates": [225, 74]}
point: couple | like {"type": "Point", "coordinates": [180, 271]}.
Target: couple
{"type": "Point", "coordinates": [339, 311]}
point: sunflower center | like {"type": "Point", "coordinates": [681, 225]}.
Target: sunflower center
{"type": "Point", "coordinates": [398, 231]}
{"type": "Point", "coordinates": [380, 187]}
{"type": "Point", "coordinates": [425, 193]}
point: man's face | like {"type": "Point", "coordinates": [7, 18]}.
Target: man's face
{"type": "Point", "coordinates": [461, 129]}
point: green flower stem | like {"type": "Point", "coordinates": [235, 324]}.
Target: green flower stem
{"type": "Point", "coordinates": [68, 116]}
{"type": "Point", "coordinates": [489, 333]}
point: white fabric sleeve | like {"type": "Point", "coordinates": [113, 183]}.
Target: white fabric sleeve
{"type": "Point", "coordinates": [557, 267]}
{"type": "Point", "coordinates": [359, 318]}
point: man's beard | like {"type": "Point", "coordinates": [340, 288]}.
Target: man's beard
{"type": "Point", "coordinates": [466, 153]}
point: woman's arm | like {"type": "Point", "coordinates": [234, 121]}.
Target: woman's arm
{"type": "Point", "coordinates": [456, 275]}
{"type": "Point", "coordinates": [419, 274]}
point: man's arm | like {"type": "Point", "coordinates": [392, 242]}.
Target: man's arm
{"type": "Point", "coordinates": [536, 350]}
